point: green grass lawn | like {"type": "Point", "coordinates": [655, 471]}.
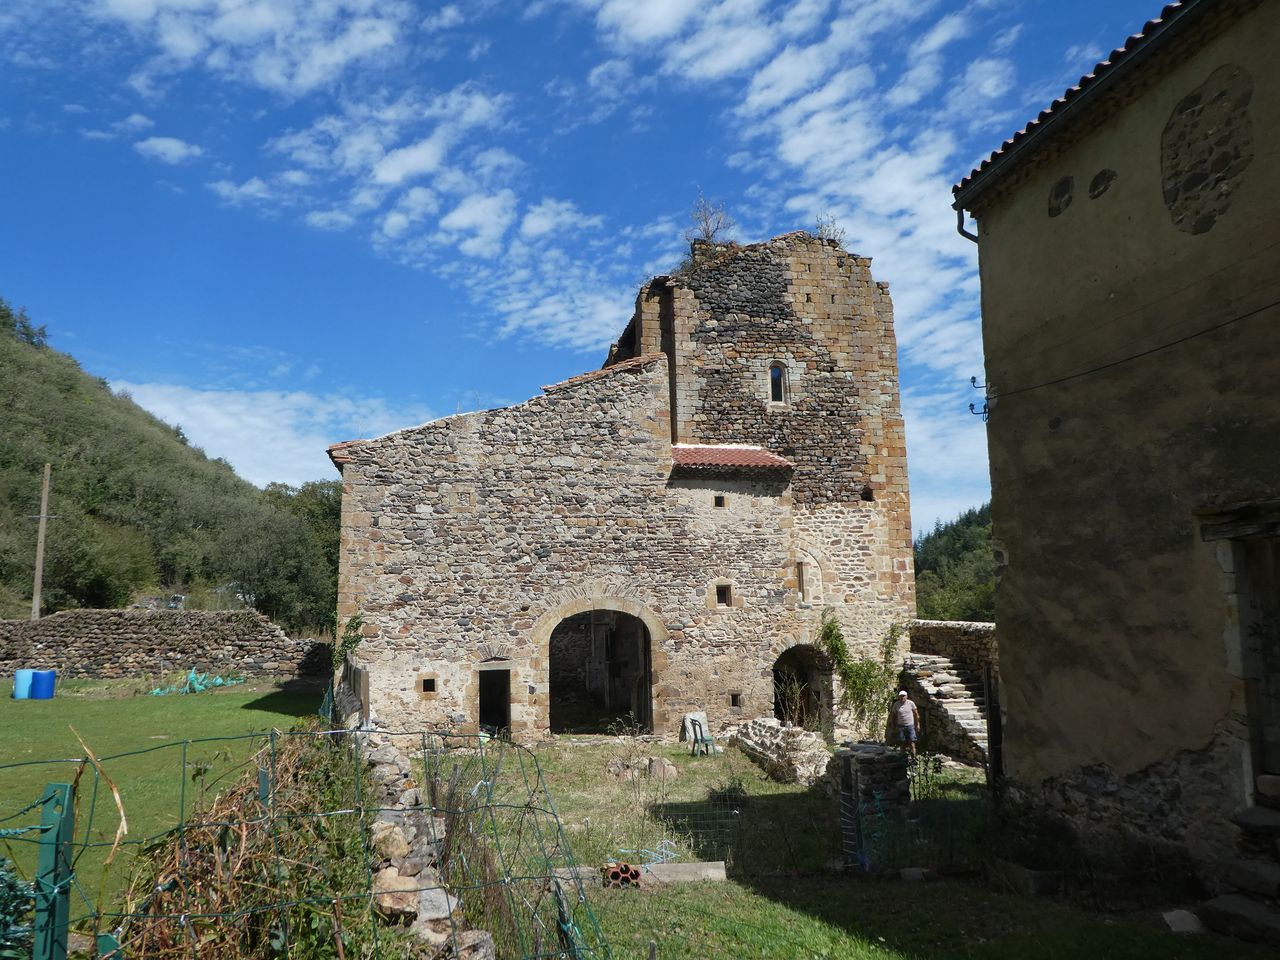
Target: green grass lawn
{"type": "Point", "coordinates": [783, 900]}
{"type": "Point", "coordinates": [116, 717]}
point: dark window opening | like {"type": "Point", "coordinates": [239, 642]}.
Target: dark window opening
{"type": "Point", "coordinates": [428, 684]}
{"type": "Point", "coordinates": [600, 674]}
{"type": "Point", "coordinates": [777, 384]}
{"type": "Point", "coordinates": [724, 595]}
{"type": "Point", "coordinates": [495, 701]}
{"type": "Point", "coordinates": [735, 700]}
{"type": "Point", "coordinates": [868, 494]}
{"type": "Point", "coordinates": [719, 501]}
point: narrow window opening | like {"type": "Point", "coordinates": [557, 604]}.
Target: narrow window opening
{"type": "Point", "coordinates": [719, 500]}
{"type": "Point", "coordinates": [735, 700]}
{"type": "Point", "coordinates": [804, 594]}
{"type": "Point", "coordinates": [777, 383]}
{"type": "Point", "coordinates": [724, 595]}
{"type": "Point", "coordinates": [868, 494]}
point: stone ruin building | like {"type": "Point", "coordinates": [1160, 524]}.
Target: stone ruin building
{"type": "Point", "coordinates": [656, 537]}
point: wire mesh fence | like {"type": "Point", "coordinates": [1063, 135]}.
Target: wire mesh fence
{"type": "Point", "coordinates": [270, 847]}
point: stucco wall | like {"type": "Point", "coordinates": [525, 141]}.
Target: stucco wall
{"type": "Point", "coordinates": [1118, 642]}
{"type": "Point", "coordinates": [132, 643]}
{"type": "Point", "coordinates": [467, 540]}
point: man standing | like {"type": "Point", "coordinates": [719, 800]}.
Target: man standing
{"type": "Point", "coordinates": [907, 719]}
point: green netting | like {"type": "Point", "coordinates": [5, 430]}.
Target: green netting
{"type": "Point", "coordinates": [197, 683]}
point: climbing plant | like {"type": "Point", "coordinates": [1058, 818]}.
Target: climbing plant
{"type": "Point", "coordinates": [351, 636]}
{"type": "Point", "coordinates": [867, 682]}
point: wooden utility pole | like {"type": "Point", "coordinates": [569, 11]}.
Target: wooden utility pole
{"type": "Point", "coordinates": [44, 519]}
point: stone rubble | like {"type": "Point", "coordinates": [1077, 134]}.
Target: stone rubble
{"type": "Point", "coordinates": [786, 753]}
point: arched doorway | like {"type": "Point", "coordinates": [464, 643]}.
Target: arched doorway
{"type": "Point", "coordinates": [802, 688]}
{"type": "Point", "coordinates": [600, 673]}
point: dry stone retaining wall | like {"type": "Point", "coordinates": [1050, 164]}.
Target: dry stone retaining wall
{"type": "Point", "coordinates": [971, 645]}
{"type": "Point", "coordinates": [130, 643]}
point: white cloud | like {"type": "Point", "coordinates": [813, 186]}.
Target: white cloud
{"type": "Point", "coordinates": [555, 216]}
{"type": "Point", "coordinates": [329, 219]}
{"type": "Point", "coordinates": [634, 23]}
{"type": "Point", "coordinates": [271, 435]}
{"type": "Point", "coordinates": [446, 18]}
{"type": "Point", "coordinates": [413, 207]}
{"type": "Point", "coordinates": [168, 149]}
{"type": "Point", "coordinates": [408, 163]}
{"type": "Point", "coordinates": [235, 194]}
{"type": "Point", "coordinates": [479, 222]}
{"type": "Point", "coordinates": [287, 46]}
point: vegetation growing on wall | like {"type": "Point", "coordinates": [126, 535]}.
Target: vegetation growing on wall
{"type": "Point", "coordinates": [867, 683]}
{"type": "Point", "coordinates": [139, 510]}
{"type": "Point", "coordinates": [955, 569]}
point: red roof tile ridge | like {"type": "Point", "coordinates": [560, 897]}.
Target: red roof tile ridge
{"type": "Point", "coordinates": [640, 361]}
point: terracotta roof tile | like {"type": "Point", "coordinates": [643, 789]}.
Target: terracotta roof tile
{"type": "Point", "coordinates": [1135, 45]}
{"type": "Point", "coordinates": [706, 456]}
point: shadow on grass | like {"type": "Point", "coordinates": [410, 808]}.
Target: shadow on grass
{"type": "Point", "coordinates": [291, 700]}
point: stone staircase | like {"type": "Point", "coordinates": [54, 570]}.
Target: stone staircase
{"type": "Point", "coordinates": [1252, 910]}
{"type": "Point", "coordinates": [952, 703]}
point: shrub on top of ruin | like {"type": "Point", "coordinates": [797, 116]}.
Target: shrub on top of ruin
{"type": "Point", "coordinates": [826, 227]}
{"type": "Point", "coordinates": [710, 222]}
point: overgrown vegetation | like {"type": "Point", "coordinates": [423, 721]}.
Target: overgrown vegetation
{"type": "Point", "coordinates": [15, 914]}
{"type": "Point", "coordinates": [291, 884]}
{"type": "Point", "coordinates": [866, 683]}
{"type": "Point", "coordinates": [139, 510]}
{"type": "Point", "coordinates": [955, 569]}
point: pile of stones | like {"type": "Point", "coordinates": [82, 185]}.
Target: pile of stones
{"type": "Point", "coordinates": [786, 753]}
{"type": "Point", "coordinates": [407, 840]}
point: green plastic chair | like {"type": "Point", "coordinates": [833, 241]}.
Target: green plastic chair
{"type": "Point", "coordinates": [701, 741]}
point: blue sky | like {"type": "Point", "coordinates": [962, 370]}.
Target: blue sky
{"type": "Point", "coordinates": [284, 223]}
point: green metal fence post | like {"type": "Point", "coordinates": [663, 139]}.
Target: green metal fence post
{"type": "Point", "coordinates": [53, 874]}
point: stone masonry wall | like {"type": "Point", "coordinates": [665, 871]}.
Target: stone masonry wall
{"type": "Point", "coordinates": [467, 540]}
{"type": "Point", "coordinates": [130, 643]}
{"type": "Point", "coordinates": [971, 645]}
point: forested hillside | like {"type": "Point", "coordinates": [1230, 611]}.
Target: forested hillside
{"type": "Point", "coordinates": [955, 569]}
{"type": "Point", "coordinates": [138, 509]}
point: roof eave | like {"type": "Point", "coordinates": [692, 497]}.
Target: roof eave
{"type": "Point", "coordinates": [984, 177]}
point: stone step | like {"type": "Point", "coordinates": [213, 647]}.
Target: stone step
{"type": "Point", "coordinates": [1239, 916]}
{"type": "Point", "coordinates": [1255, 876]}
{"type": "Point", "coordinates": [1261, 820]}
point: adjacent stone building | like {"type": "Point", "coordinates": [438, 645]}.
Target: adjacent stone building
{"type": "Point", "coordinates": [1129, 241]}
{"type": "Point", "coordinates": [656, 537]}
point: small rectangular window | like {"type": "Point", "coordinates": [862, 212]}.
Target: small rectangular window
{"type": "Point", "coordinates": [735, 700]}
{"type": "Point", "coordinates": [719, 500]}
{"type": "Point", "coordinates": [804, 594]}
{"type": "Point", "coordinates": [428, 684]}
{"type": "Point", "coordinates": [724, 595]}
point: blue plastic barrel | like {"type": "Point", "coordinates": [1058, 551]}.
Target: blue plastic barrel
{"type": "Point", "coordinates": [22, 684]}
{"type": "Point", "coordinates": [42, 684]}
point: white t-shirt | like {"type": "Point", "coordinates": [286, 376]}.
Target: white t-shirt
{"type": "Point", "coordinates": [906, 712]}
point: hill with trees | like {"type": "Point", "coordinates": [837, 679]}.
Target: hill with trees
{"type": "Point", "coordinates": [139, 510]}
{"type": "Point", "coordinates": [956, 570]}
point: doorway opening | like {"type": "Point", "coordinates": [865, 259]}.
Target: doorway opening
{"type": "Point", "coordinates": [1260, 634]}
{"type": "Point", "coordinates": [495, 702]}
{"type": "Point", "coordinates": [802, 688]}
{"type": "Point", "coordinates": [600, 673]}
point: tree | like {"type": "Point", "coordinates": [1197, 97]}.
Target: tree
{"type": "Point", "coordinates": [955, 569]}
{"type": "Point", "coordinates": [710, 221]}
{"type": "Point", "coordinates": [19, 325]}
